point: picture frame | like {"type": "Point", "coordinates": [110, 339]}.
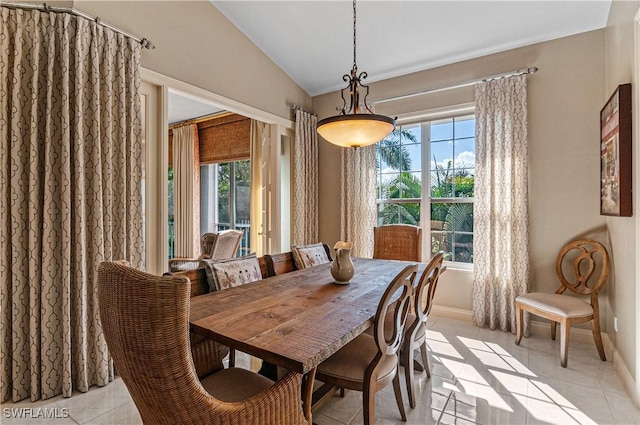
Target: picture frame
{"type": "Point", "coordinates": [615, 154]}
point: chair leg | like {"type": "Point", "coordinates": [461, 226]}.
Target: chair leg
{"type": "Point", "coordinates": [597, 337]}
{"type": "Point", "coordinates": [232, 357]}
{"type": "Point", "coordinates": [565, 329]}
{"type": "Point", "coordinates": [553, 330]}
{"type": "Point", "coordinates": [407, 358]}
{"type": "Point", "coordinates": [368, 405]}
{"type": "Point", "coordinates": [398, 394]}
{"type": "Point", "coordinates": [519, 323]}
{"type": "Point", "coordinates": [425, 358]}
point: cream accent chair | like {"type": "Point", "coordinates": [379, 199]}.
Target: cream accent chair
{"type": "Point", "coordinates": [368, 363]}
{"type": "Point", "coordinates": [585, 257]}
{"type": "Point", "coordinates": [213, 246]}
{"type": "Point", "coordinates": [145, 319]}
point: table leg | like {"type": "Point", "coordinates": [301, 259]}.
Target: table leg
{"type": "Point", "coordinates": [307, 389]}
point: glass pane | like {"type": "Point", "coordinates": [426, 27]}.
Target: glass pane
{"type": "Point", "coordinates": [414, 152]}
{"type": "Point", "coordinates": [171, 220]}
{"type": "Point", "coordinates": [390, 185]}
{"type": "Point", "coordinates": [463, 248]}
{"type": "Point", "coordinates": [464, 183]}
{"type": "Point", "coordinates": [399, 214]}
{"type": "Point", "coordinates": [411, 134]}
{"type": "Point", "coordinates": [223, 195]}
{"type": "Point", "coordinates": [393, 158]}
{"type": "Point", "coordinates": [243, 194]}
{"type": "Point", "coordinates": [465, 127]}
{"type": "Point", "coordinates": [465, 153]}
{"type": "Point", "coordinates": [410, 185]}
{"type": "Point", "coordinates": [439, 211]}
{"type": "Point", "coordinates": [459, 218]}
{"type": "Point", "coordinates": [442, 130]}
{"type": "Point", "coordinates": [441, 184]}
{"type": "Point", "coordinates": [441, 155]}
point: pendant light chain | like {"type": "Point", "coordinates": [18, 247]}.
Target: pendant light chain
{"type": "Point", "coordinates": [354, 35]}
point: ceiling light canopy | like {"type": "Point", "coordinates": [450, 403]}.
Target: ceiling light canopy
{"type": "Point", "coordinates": [355, 127]}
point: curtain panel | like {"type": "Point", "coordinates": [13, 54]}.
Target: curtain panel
{"type": "Point", "coordinates": [70, 198]}
{"type": "Point", "coordinates": [501, 235]}
{"type": "Point", "coordinates": [305, 186]}
{"type": "Point", "coordinates": [358, 200]}
{"type": "Point", "coordinates": [186, 191]}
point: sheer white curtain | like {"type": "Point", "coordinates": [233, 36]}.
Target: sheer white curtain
{"type": "Point", "coordinates": [260, 133]}
{"type": "Point", "coordinates": [186, 191]}
{"type": "Point", "coordinates": [305, 187]}
{"type": "Point", "coordinates": [501, 235]}
{"type": "Point", "coordinates": [70, 198]}
{"type": "Point", "coordinates": [358, 204]}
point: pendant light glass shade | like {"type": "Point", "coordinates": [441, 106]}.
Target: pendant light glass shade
{"type": "Point", "coordinates": [354, 127]}
{"type": "Point", "coordinates": [355, 130]}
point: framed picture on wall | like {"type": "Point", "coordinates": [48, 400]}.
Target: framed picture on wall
{"type": "Point", "coordinates": [615, 154]}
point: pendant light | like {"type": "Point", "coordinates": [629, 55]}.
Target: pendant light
{"type": "Point", "coordinates": [355, 127]}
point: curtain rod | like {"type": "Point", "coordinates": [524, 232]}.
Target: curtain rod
{"type": "Point", "coordinates": [299, 108]}
{"type": "Point", "coordinates": [46, 8]}
{"type": "Point", "coordinates": [531, 70]}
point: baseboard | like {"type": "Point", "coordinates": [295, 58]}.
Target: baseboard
{"type": "Point", "coordinates": [452, 313]}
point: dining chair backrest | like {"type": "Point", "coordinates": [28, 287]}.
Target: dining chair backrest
{"type": "Point", "coordinates": [396, 302]}
{"type": "Point", "coordinates": [139, 314]}
{"type": "Point", "coordinates": [277, 264]}
{"type": "Point", "coordinates": [226, 245]}
{"type": "Point", "coordinates": [397, 242]}
{"type": "Point", "coordinates": [425, 289]}
{"type": "Point", "coordinates": [576, 265]}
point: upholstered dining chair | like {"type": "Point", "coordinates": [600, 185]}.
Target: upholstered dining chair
{"type": "Point", "coordinates": [213, 245]}
{"type": "Point", "coordinates": [415, 334]}
{"type": "Point", "coordinates": [397, 242]}
{"type": "Point", "coordinates": [368, 363]}
{"type": "Point", "coordinates": [582, 267]}
{"type": "Point", "coordinates": [145, 320]}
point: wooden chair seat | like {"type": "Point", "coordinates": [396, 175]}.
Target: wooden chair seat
{"type": "Point", "coordinates": [351, 361]}
{"type": "Point", "coordinates": [556, 304]}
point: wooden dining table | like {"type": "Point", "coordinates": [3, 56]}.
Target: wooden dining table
{"type": "Point", "coordinates": [298, 319]}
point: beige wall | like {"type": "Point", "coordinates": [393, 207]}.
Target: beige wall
{"type": "Point", "coordinates": [620, 69]}
{"type": "Point", "coordinates": [196, 44]}
{"type": "Point", "coordinates": [564, 99]}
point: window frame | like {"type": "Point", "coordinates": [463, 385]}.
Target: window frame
{"type": "Point", "coordinates": [424, 119]}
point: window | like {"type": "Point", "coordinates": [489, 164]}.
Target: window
{"type": "Point", "coordinates": [427, 170]}
{"type": "Point", "coordinates": [225, 193]}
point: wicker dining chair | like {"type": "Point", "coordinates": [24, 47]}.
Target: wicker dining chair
{"type": "Point", "coordinates": [368, 363]}
{"type": "Point", "coordinates": [145, 320]}
{"type": "Point", "coordinates": [397, 242]}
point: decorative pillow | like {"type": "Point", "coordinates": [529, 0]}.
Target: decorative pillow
{"type": "Point", "coordinates": [225, 274]}
{"type": "Point", "coordinates": [309, 255]}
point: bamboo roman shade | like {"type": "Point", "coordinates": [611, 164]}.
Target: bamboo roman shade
{"type": "Point", "coordinates": [223, 139]}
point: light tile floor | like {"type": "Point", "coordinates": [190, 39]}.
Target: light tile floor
{"type": "Point", "coordinates": [493, 381]}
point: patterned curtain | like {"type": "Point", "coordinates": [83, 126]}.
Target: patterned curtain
{"type": "Point", "coordinates": [305, 187]}
{"type": "Point", "coordinates": [501, 235]}
{"type": "Point", "coordinates": [70, 167]}
{"type": "Point", "coordinates": [358, 204]}
{"type": "Point", "coordinates": [186, 191]}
